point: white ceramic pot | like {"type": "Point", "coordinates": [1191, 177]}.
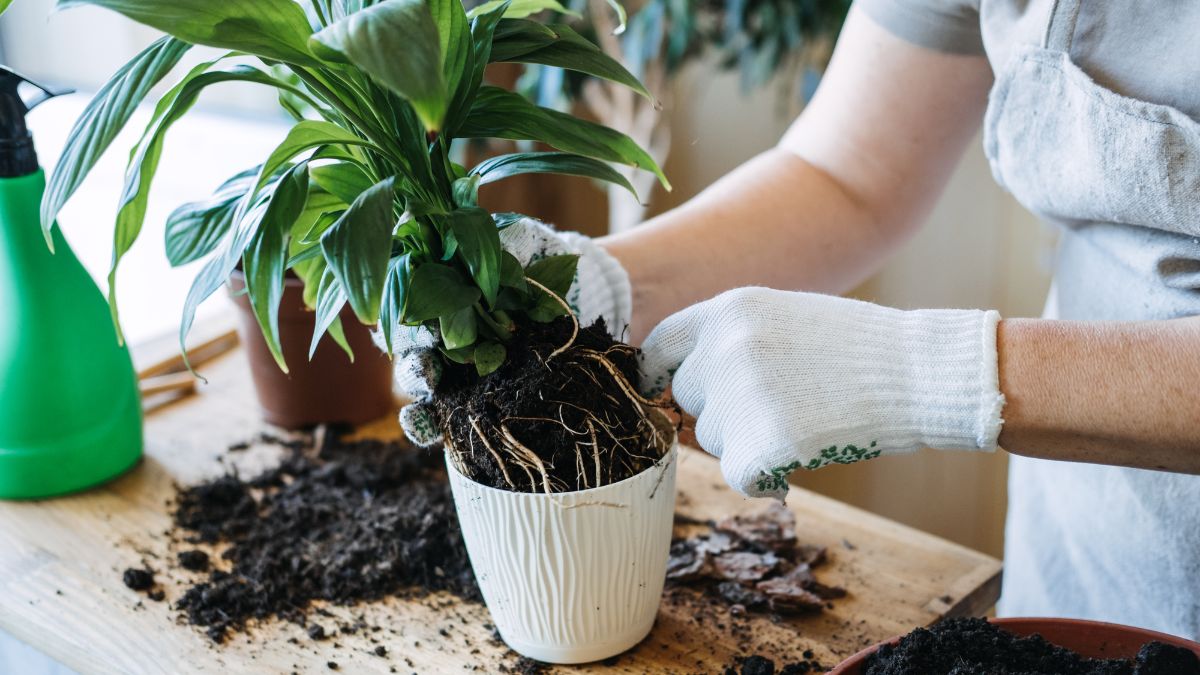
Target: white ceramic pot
{"type": "Point", "coordinates": [576, 576]}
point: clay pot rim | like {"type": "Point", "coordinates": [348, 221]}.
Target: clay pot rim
{"type": "Point", "coordinates": [1029, 625]}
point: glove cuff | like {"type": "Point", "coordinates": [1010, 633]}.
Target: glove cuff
{"type": "Point", "coordinates": [953, 377]}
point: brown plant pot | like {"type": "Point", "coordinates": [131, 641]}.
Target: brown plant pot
{"type": "Point", "coordinates": [329, 389]}
{"type": "Point", "coordinates": [1093, 639]}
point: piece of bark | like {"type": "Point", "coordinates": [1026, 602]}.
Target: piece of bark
{"type": "Point", "coordinates": [774, 528]}
{"type": "Point", "coordinates": [737, 594]}
{"type": "Point", "coordinates": [744, 566]}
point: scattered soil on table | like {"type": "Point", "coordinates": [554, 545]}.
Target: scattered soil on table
{"type": "Point", "coordinates": [753, 563]}
{"type": "Point", "coordinates": [761, 665]}
{"type": "Point", "coordinates": [344, 522]}
{"type": "Point", "coordinates": [976, 647]}
{"type": "Point", "coordinates": [551, 421]}
{"type": "Point", "coordinates": [137, 579]}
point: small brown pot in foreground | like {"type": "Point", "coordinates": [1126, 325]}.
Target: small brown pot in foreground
{"type": "Point", "coordinates": [329, 389]}
{"type": "Point", "coordinates": [1093, 639]}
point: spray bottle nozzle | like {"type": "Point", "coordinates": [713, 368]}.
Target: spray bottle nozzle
{"type": "Point", "coordinates": [17, 157]}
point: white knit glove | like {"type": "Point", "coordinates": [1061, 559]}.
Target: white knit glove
{"type": "Point", "coordinates": [781, 381]}
{"type": "Point", "coordinates": [601, 289]}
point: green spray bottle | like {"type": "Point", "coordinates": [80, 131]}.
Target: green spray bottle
{"type": "Point", "coordinates": [70, 411]}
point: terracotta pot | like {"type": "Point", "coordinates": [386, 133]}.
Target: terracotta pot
{"type": "Point", "coordinates": [328, 389]}
{"type": "Point", "coordinates": [1093, 639]}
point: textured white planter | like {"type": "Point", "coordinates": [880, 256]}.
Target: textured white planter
{"type": "Point", "coordinates": [571, 577]}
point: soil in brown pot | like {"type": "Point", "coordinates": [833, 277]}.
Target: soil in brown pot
{"type": "Point", "coordinates": [976, 647]}
{"type": "Point", "coordinates": [561, 414]}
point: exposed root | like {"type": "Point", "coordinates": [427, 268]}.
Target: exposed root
{"type": "Point", "coordinates": [574, 321]}
{"type": "Point", "coordinates": [623, 382]}
{"type": "Point", "coordinates": [595, 450]}
{"type": "Point", "coordinates": [529, 455]}
{"type": "Point", "coordinates": [495, 455]}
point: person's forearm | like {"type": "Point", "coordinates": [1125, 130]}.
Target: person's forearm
{"type": "Point", "coordinates": [776, 221]}
{"type": "Point", "coordinates": [1125, 394]}
{"type": "Point", "coordinates": [854, 176]}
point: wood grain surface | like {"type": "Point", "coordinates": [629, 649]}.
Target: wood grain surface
{"type": "Point", "coordinates": [61, 562]}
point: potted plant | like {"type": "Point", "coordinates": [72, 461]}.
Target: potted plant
{"type": "Point", "coordinates": [363, 202]}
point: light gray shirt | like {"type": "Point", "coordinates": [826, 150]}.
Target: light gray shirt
{"type": "Point", "coordinates": [1144, 49]}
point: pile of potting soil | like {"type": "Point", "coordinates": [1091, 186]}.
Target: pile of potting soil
{"type": "Point", "coordinates": [753, 563]}
{"type": "Point", "coordinates": [346, 522]}
{"type": "Point", "coordinates": [976, 647]}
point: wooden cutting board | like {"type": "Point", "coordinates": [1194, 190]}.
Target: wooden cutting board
{"type": "Point", "coordinates": [61, 562]}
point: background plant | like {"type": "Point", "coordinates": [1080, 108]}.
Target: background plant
{"type": "Point", "coordinates": [361, 200]}
{"type": "Point", "coordinates": [787, 41]}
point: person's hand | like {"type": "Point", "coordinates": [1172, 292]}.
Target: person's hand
{"type": "Point", "coordinates": [601, 289]}
{"type": "Point", "coordinates": [781, 381]}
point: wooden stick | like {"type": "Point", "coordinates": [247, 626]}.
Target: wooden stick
{"type": "Point", "coordinates": [183, 383]}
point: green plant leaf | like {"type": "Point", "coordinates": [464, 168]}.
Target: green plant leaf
{"type": "Point", "coordinates": [488, 357]}
{"type": "Point", "coordinates": [622, 16]}
{"type": "Point", "coordinates": [483, 29]}
{"type": "Point", "coordinates": [397, 43]}
{"type": "Point", "coordinates": [273, 29]}
{"type": "Point", "coordinates": [103, 119]}
{"type": "Point", "coordinates": [330, 300]}
{"type": "Point", "coordinates": [310, 273]}
{"type": "Point", "coordinates": [222, 263]}
{"type": "Point", "coordinates": [519, 9]}
{"type": "Point", "coordinates": [458, 329]}
{"type": "Point", "coordinates": [466, 191]}
{"type": "Point", "coordinates": [194, 229]}
{"type": "Point", "coordinates": [391, 308]}
{"type": "Point", "coordinates": [511, 274]}
{"type": "Point", "coordinates": [358, 246]}
{"type": "Point", "coordinates": [143, 163]}
{"type": "Point", "coordinates": [502, 114]}
{"type": "Point", "coordinates": [454, 38]}
{"type": "Point", "coordinates": [4, 5]}
{"type": "Point", "coordinates": [305, 136]}
{"type": "Point", "coordinates": [503, 166]}
{"type": "Point", "coordinates": [338, 333]}
{"type": "Point", "coordinates": [556, 272]}
{"type": "Point", "coordinates": [435, 289]}
{"type": "Point", "coordinates": [343, 179]}
{"type": "Point", "coordinates": [571, 51]}
{"type": "Point", "coordinates": [264, 258]}
{"type": "Point", "coordinates": [479, 248]}
{"type": "Point", "coordinates": [513, 38]}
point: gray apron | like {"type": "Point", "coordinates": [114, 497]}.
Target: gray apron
{"type": "Point", "coordinates": [1122, 179]}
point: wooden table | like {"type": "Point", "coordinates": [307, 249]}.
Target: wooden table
{"type": "Point", "coordinates": [61, 562]}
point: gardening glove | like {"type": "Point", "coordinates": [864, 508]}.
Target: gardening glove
{"type": "Point", "coordinates": [780, 381]}
{"type": "Point", "coordinates": [601, 289]}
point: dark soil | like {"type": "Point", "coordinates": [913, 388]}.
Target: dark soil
{"type": "Point", "coordinates": [195, 561]}
{"type": "Point", "coordinates": [976, 647]}
{"type": "Point", "coordinates": [753, 563]}
{"type": "Point", "coordinates": [761, 665]}
{"type": "Point", "coordinates": [582, 422]}
{"type": "Point", "coordinates": [354, 521]}
{"type": "Point", "coordinates": [138, 579]}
